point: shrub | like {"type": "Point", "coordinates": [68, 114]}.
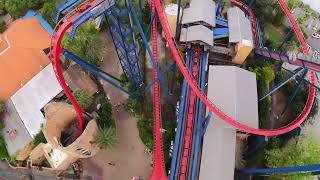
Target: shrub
{"type": "Point", "coordinates": [38, 139]}
{"type": "Point", "coordinates": [3, 26]}
{"type": "Point", "coordinates": [145, 127]}
{"type": "Point", "coordinates": [84, 99]}
{"type": "Point", "coordinates": [3, 149]}
{"type": "Point", "coordinates": [106, 138]}
{"type": "Point", "coordinates": [1, 107]}
{"type": "Point", "coordinates": [105, 119]}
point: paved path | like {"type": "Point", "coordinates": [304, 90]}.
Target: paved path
{"type": "Point", "coordinates": [128, 158]}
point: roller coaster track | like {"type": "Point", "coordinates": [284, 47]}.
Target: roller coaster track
{"type": "Point", "coordinates": [158, 172]}
{"type": "Point", "coordinates": [211, 106]}
{"type": "Point", "coordinates": [187, 143]}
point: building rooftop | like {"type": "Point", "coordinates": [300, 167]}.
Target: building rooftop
{"type": "Point", "coordinates": [239, 27]}
{"type": "Point", "coordinates": [24, 108]}
{"type": "Point", "coordinates": [200, 11]}
{"type": "Point", "coordinates": [197, 33]}
{"type": "Point", "coordinates": [234, 91]}
{"type": "Point", "coordinates": [21, 54]}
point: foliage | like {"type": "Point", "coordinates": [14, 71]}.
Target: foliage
{"type": "Point", "coordinates": [226, 3]}
{"type": "Point", "coordinates": [272, 36]}
{"type": "Point", "coordinates": [3, 149]}
{"type": "Point", "coordinates": [3, 26]}
{"type": "Point", "coordinates": [106, 138]}
{"type": "Point", "coordinates": [87, 44]}
{"type": "Point", "coordinates": [292, 4]}
{"type": "Point", "coordinates": [84, 99]}
{"type": "Point", "coordinates": [302, 150]}
{"type": "Point", "coordinates": [1, 107]}
{"type": "Point", "coordinates": [269, 12]}
{"type": "Point", "coordinates": [105, 118]}
{"type": "Point", "coordinates": [145, 127]}
{"type": "Point", "coordinates": [38, 139]}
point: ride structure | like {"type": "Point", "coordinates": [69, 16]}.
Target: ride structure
{"type": "Point", "coordinates": [191, 120]}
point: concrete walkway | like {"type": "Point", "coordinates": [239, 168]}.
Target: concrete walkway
{"type": "Point", "coordinates": [129, 157]}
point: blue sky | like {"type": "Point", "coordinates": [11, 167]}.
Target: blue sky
{"type": "Point", "coordinates": [315, 4]}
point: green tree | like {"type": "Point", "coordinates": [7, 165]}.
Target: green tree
{"type": "Point", "coordinates": [1, 107]}
{"type": "Point", "coordinates": [84, 99]}
{"type": "Point", "coordinates": [292, 4]}
{"type": "Point", "coordinates": [3, 149]}
{"type": "Point", "coordinates": [3, 26]}
{"type": "Point", "coordinates": [302, 150]}
{"type": "Point", "coordinates": [87, 43]}
{"type": "Point", "coordinates": [39, 138]}
{"type": "Point", "coordinates": [106, 138]}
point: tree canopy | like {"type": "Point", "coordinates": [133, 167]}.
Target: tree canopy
{"type": "Point", "coordinates": [1, 107]}
{"type": "Point", "coordinates": [299, 151]}
{"type": "Point", "coordinates": [84, 99]}
{"type": "Point", "coordinates": [86, 44]}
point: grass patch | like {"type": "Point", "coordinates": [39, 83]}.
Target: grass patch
{"type": "Point", "coordinates": [3, 149]}
{"type": "Point", "coordinates": [273, 36]}
{"type": "Point", "coordinates": [38, 139]}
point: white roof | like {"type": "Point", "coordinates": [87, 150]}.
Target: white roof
{"type": "Point", "coordinates": [200, 11]}
{"type": "Point", "coordinates": [33, 96]}
{"type": "Point", "coordinates": [239, 27]}
{"type": "Point", "coordinates": [23, 109]}
{"type": "Point", "coordinates": [198, 33]}
{"type": "Point", "coordinates": [234, 91]}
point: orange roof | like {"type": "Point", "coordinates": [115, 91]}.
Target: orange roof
{"type": "Point", "coordinates": [21, 54]}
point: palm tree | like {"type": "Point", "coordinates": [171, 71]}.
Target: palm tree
{"type": "Point", "coordinates": [106, 138]}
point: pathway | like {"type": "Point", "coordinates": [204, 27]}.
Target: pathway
{"type": "Point", "coordinates": [129, 157]}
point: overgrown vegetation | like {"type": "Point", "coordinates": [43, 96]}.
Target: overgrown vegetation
{"type": "Point", "coordinates": [84, 99]}
{"type": "Point", "coordinates": [3, 149]}
{"type": "Point", "coordinates": [17, 8]}
{"type": "Point", "coordinates": [3, 26]}
{"type": "Point", "coordinates": [86, 44]}
{"type": "Point", "coordinates": [39, 138]}
{"type": "Point", "coordinates": [1, 107]}
{"type": "Point", "coordinates": [106, 138]}
{"type": "Point", "coordinates": [299, 151]}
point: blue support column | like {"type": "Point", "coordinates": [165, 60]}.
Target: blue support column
{"type": "Point", "coordinates": [199, 116]}
{"type": "Point", "coordinates": [287, 38]}
{"type": "Point", "coordinates": [218, 7]}
{"type": "Point", "coordinates": [148, 31]}
{"type": "Point", "coordinates": [207, 121]}
{"type": "Point", "coordinates": [178, 22]}
{"type": "Point", "coordinates": [294, 169]}
{"type": "Point", "coordinates": [144, 40]}
{"type": "Point", "coordinates": [297, 71]}
{"type": "Point", "coordinates": [296, 89]}
{"type": "Point", "coordinates": [92, 69]}
{"type": "Point", "coordinates": [181, 118]}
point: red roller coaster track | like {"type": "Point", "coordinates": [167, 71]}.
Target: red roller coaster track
{"type": "Point", "coordinates": [158, 172]}
{"type": "Point", "coordinates": [212, 107]}
{"type": "Point", "coordinates": [57, 50]}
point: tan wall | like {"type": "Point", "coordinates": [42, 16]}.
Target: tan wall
{"type": "Point", "coordinates": [243, 52]}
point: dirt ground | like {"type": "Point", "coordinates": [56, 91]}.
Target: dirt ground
{"type": "Point", "coordinates": [129, 157]}
{"type": "Point", "coordinates": [277, 120]}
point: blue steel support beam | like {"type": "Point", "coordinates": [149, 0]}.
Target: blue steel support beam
{"type": "Point", "coordinates": [148, 32]}
{"type": "Point", "coordinates": [251, 3]}
{"type": "Point", "coordinates": [178, 22]}
{"type": "Point", "coordinates": [262, 141]}
{"type": "Point", "coordinates": [221, 22]}
{"type": "Point", "coordinates": [287, 38]}
{"type": "Point", "coordinates": [178, 142]}
{"type": "Point", "coordinates": [295, 169]}
{"type": "Point", "coordinates": [92, 69]}
{"type": "Point", "coordinates": [170, 66]}
{"type": "Point", "coordinates": [174, 70]}
{"type": "Point", "coordinates": [300, 78]}
{"type": "Point", "coordinates": [296, 89]}
{"type": "Point", "coordinates": [64, 8]}
{"type": "Point", "coordinates": [218, 7]}
{"type": "Point", "coordinates": [297, 71]}
{"type": "Point", "coordinates": [207, 121]}
{"type": "Point", "coordinates": [200, 117]}
{"type": "Point", "coordinates": [145, 41]}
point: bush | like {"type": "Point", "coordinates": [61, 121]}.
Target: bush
{"type": "Point", "coordinates": [145, 127]}
{"type": "Point", "coordinates": [84, 99]}
{"type": "Point", "coordinates": [106, 138]}
{"type": "Point", "coordinates": [38, 139]}
{"type": "Point", "coordinates": [299, 151]}
{"type": "Point", "coordinates": [105, 118]}
{"type": "Point", "coordinates": [3, 26]}
{"type": "Point", "coordinates": [1, 107]}
{"type": "Point", "coordinates": [3, 149]}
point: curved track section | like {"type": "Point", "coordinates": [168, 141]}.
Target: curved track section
{"type": "Point", "coordinates": [158, 171]}
{"type": "Point", "coordinates": [212, 107]}
{"type": "Point", "coordinates": [56, 51]}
